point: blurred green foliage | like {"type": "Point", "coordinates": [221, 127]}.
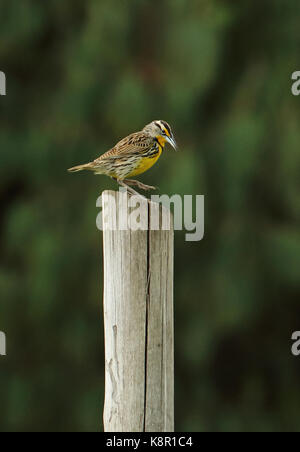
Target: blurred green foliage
{"type": "Point", "coordinates": [81, 75]}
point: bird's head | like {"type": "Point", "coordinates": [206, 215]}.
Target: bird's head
{"type": "Point", "coordinates": [162, 132]}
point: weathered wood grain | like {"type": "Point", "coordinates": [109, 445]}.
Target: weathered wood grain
{"type": "Point", "coordinates": [138, 322]}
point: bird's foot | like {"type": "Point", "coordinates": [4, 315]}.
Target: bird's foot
{"type": "Point", "coordinates": [139, 184]}
{"type": "Point", "coordinates": [130, 189]}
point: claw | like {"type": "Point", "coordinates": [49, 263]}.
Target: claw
{"type": "Point", "coordinates": [130, 190]}
{"type": "Point", "coordinates": [139, 184]}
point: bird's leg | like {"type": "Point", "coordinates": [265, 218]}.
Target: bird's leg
{"type": "Point", "coordinates": [139, 184]}
{"type": "Point", "coordinates": [130, 190]}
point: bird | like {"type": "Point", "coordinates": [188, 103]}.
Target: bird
{"type": "Point", "coordinates": [133, 155]}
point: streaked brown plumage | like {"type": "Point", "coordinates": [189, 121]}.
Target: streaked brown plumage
{"type": "Point", "coordinates": [133, 155]}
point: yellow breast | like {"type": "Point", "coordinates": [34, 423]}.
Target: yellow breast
{"type": "Point", "coordinates": [146, 163]}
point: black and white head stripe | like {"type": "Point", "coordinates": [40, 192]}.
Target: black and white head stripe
{"type": "Point", "coordinates": [164, 127]}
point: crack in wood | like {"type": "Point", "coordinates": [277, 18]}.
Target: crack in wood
{"type": "Point", "coordinates": [114, 388]}
{"type": "Point", "coordinates": [115, 331]}
{"type": "Point", "coordinates": [147, 317]}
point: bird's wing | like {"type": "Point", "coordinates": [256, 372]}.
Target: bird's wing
{"type": "Point", "coordinates": [135, 143]}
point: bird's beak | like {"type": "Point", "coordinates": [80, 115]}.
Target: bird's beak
{"type": "Point", "coordinates": [172, 142]}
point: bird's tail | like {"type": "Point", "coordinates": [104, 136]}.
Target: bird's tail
{"type": "Point", "coordinates": [80, 168]}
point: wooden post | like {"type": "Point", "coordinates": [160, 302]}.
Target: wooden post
{"type": "Point", "coordinates": [138, 318]}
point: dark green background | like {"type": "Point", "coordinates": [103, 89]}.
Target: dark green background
{"type": "Point", "coordinates": [81, 75]}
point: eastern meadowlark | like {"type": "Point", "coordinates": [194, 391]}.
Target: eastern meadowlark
{"type": "Point", "coordinates": [133, 155]}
